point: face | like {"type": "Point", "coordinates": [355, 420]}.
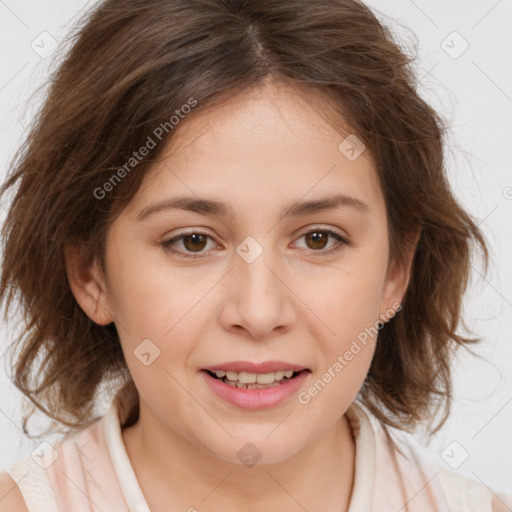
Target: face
{"type": "Point", "coordinates": [265, 273]}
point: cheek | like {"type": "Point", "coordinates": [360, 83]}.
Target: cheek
{"type": "Point", "coordinates": [347, 339]}
{"type": "Point", "coordinates": [348, 299]}
{"type": "Point", "coordinates": [149, 296]}
{"type": "Point", "coordinates": [156, 316]}
{"type": "Point", "coordinates": [346, 313]}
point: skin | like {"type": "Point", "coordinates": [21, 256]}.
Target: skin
{"type": "Point", "coordinates": [296, 302]}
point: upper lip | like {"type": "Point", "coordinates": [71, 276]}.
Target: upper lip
{"type": "Point", "coordinates": [248, 366]}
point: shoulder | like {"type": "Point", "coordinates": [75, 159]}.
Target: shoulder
{"type": "Point", "coordinates": [28, 488]}
{"type": "Point", "coordinates": [461, 493]}
{"type": "Point", "coordinates": [411, 466]}
{"type": "Point", "coordinates": [35, 483]}
{"type": "Point", "coordinates": [465, 494]}
{"type": "Point", "coordinates": [11, 499]}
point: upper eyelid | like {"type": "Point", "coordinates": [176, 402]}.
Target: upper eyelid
{"type": "Point", "coordinates": [343, 239]}
{"type": "Point", "coordinates": [302, 232]}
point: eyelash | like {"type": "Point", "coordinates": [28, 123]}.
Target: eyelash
{"type": "Point", "coordinates": [342, 242]}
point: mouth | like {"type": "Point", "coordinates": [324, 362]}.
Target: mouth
{"type": "Point", "coordinates": [255, 387]}
{"type": "Point", "coordinates": [249, 380]}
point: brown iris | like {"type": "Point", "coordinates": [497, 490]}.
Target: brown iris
{"type": "Point", "coordinates": [317, 237]}
{"type": "Point", "coordinates": [194, 242]}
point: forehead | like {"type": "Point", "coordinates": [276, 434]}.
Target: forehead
{"type": "Point", "coordinates": [268, 147]}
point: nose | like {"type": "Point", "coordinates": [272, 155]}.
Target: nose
{"type": "Point", "coordinates": [259, 300]}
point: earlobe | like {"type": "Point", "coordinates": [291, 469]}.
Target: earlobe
{"type": "Point", "coordinates": [87, 285]}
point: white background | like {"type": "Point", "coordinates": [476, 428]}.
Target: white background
{"type": "Point", "coordinates": [474, 91]}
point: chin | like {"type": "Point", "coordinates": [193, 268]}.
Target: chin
{"type": "Point", "coordinates": [257, 450]}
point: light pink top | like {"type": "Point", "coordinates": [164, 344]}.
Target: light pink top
{"type": "Point", "coordinates": [90, 471]}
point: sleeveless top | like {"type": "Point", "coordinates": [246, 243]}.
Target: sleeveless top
{"type": "Point", "coordinates": [90, 470]}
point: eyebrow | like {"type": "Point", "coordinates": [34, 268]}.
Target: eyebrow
{"type": "Point", "coordinates": [220, 209]}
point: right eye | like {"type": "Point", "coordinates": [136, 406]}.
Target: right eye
{"type": "Point", "coordinates": [192, 242]}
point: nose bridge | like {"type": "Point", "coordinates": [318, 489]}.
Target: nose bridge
{"type": "Point", "coordinates": [253, 265]}
{"type": "Point", "coordinates": [262, 302]}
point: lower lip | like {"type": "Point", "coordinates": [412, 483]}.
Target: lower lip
{"type": "Point", "coordinates": [255, 398]}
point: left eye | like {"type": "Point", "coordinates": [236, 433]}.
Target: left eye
{"type": "Point", "coordinates": [195, 242]}
{"type": "Point", "coordinates": [318, 238]}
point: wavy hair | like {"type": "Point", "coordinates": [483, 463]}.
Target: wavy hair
{"type": "Point", "coordinates": [128, 67]}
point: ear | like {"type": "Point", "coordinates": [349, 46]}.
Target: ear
{"type": "Point", "coordinates": [87, 285]}
{"type": "Point", "coordinates": [397, 279]}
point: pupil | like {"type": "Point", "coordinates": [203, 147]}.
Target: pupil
{"type": "Point", "coordinates": [194, 238]}
{"type": "Point", "coordinates": [317, 236]}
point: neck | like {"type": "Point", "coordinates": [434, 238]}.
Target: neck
{"type": "Point", "coordinates": [175, 474]}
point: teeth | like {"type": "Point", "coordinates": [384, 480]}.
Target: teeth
{"type": "Point", "coordinates": [238, 384]}
{"type": "Point", "coordinates": [232, 375]}
{"type": "Point", "coordinates": [248, 378]}
{"type": "Point", "coordinates": [254, 378]}
{"type": "Point", "coordinates": [266, 378]}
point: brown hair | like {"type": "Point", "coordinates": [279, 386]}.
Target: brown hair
{"type": "Point", "coordinates": [131, 65]}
